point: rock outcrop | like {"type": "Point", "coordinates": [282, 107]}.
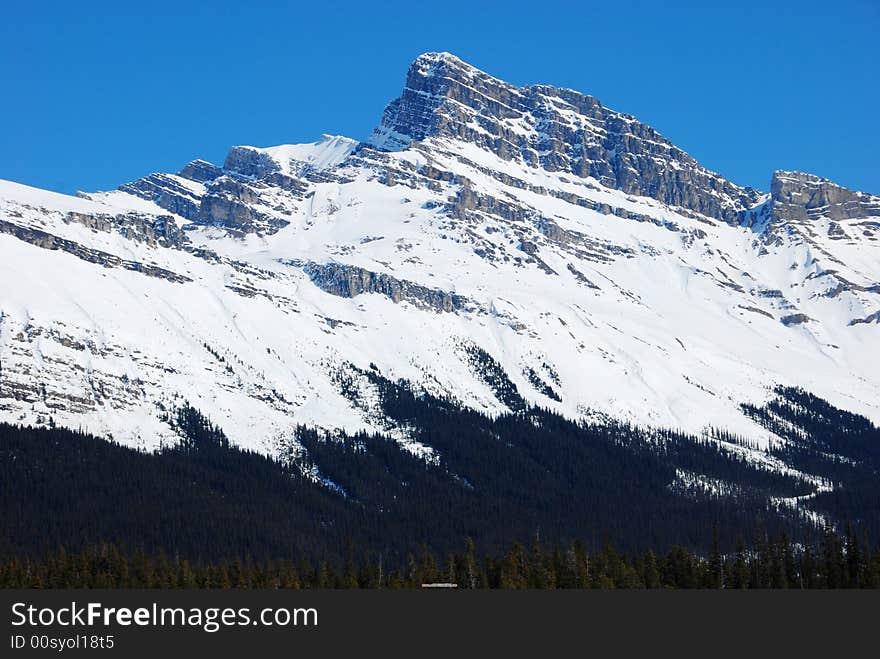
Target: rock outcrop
{"type": "Point", "coordinates": [557, 129]}
{"type": "Point", "coordinates": [45, 240]}
{"type": "Point", "coordinates": [232, 204]}
{"type": "Point", "coordinates": [250, 162]}
{"type": "Point", "coordinates": [201, 171]}
{"type": "Point", "coordinates": [166, 191]}
{"type": "Point", "coordinates": [350, 281]}
{"type": "Point", "coordinates": [799, 197]}
{"type": "Point", "coordinates": [159, 230]}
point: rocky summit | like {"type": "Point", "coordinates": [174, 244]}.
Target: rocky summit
{"type": "Point", "coordinates": [559, 130]}
{"type": "Point", "coordinates": [491, 245]}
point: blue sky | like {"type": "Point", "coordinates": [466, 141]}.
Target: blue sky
{"type": "Point", "coordinates": [98, 93]}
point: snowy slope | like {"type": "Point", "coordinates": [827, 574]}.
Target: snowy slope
{"type": "Point", "coordinates": [298, 159]}
{"type": "Point", "coordinates": [246, 290]}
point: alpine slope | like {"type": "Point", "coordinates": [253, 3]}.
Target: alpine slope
{"type": "Point", "coordinates": [607, 273]}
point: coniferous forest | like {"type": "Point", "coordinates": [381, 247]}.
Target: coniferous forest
{"type": "Point", "coordinates": [535, 500]}
{"type": "Point", "coordinates": [835, 563]}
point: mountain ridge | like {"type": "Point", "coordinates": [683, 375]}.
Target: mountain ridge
{"type": "Point", "coordinates": [531, 223]}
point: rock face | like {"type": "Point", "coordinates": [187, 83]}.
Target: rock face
{"type": "Point", "coordinates": [166, 191]}
{"type": "Point", "coordinates": [51, 242]}
{"type": "Point", "coordinates": [240, 196]}
{"type": "Point", "coordinates": [557, 129]}
{"type": "Point", "coordinates": [798, 197]}
{"type": "Point", "coordinates": [159, 230]}
{"type": "Point", "coordinates": [247, 161]}
{"type": "Point", "coordinates": [200, 171]}
{"type": "Point", "coordinates": [231, 203]}
{"type": "Point", "coordinates": [350, 281]}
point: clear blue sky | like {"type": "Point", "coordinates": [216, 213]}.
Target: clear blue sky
{"type": "Point", "coordinates": [98, 93]}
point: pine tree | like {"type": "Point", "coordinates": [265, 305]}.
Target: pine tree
{"type": "Point", "coordinates": [854, 567]}
{"type": "Point", "coordinates": [651, 572]}
{"type": "Point", "coordinates": [715, 572]}
{"type": "Point", "coordinates": [428, 567]}
{"type": "Point", "coordinates": [471, 579]}
{"type": "Point", "coordinates": [832, 558]}
{"type": "Point", "coordinates": [741, 570]}
{"type": "Point", "coordinates": [349, 578]}
{"type": "Point", "coordinates": [538, 574]}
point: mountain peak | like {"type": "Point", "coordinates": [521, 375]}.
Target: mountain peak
{"type": "Point", "coordinates": [438, 63]}
{"type": "Point", "coordinates": [526, 236]}
{"type": "Point", "coordinates": [435, 83]}
{"type": "Point", "coordinates": [429, 58]}
{"type": "Point", "coordinates": [558, 130]}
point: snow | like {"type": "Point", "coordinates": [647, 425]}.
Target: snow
{"type": "Point", "coordinates": [667, 339]}
{"type": "Point", "coordinates": [16, 194]}
{"type": "Point", "coordinates": [12, 193]}
{"type": "Point", "coordinates": [295, 159]}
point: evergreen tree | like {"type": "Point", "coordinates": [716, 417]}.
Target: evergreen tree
{"type": "Point", "coordinates": [833, 561]}
{"type": "Point", "coordinates": [651, 572]}
{"type": "Point", "coordinates": [715, 572]}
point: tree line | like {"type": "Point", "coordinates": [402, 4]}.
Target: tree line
{"type": "Point", "coordinates": [835, 562]}
{"type": "Point", "coordinates": [495, 480]}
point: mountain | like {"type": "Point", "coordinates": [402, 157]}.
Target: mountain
{"type": "Point", "coordinates": [495, 247]}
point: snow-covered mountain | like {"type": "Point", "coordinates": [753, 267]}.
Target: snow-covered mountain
{"type": "Point", "coordinates": [605, 270]}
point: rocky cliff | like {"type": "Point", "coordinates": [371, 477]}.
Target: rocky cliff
{"type": "Point", "coordinates": [798, 197]}
{"type": "Point", "coordinates": [560, 130]}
